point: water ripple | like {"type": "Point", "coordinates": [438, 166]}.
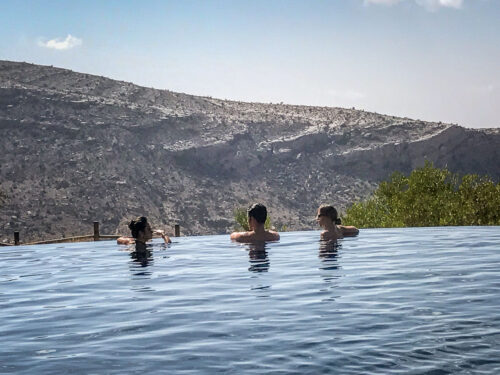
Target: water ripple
{"type": "Point", "coordinates": [392, 301]}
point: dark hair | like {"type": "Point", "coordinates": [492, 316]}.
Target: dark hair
{"type": "Point", "coordinates": [259, 212]}
{"type": "Point", "coordinates": [331, 212]}
{"type": "Point", "coordinates": [138, 225]}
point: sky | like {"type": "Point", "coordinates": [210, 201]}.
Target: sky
{"type": "Point", "coordinates": [434, 60]}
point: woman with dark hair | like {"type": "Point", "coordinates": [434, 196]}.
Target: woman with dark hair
{"type": "Point", "coordinates": [141, 233]}
{"type": "Point", "coordinates": [327, 218]}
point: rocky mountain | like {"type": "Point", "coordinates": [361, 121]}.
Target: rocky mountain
{"type": "Point", "coordinates": [77, 148]}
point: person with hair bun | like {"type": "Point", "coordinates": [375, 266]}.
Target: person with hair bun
{"type": "Point", "coordinates": [141, 233]}
{"type": "Point", "coordinates": [327, 218]}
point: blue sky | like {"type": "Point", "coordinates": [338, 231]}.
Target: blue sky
{"type": "Point", "coordinates": [436, 60]}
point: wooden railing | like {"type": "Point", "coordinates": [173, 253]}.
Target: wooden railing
{"type": "Point", "coordinates": [91, 237]}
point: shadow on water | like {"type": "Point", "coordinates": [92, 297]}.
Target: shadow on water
{"type": "Point", "coordinates": [258, 257]}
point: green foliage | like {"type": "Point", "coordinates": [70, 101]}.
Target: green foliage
{"type": "Point", "coordinates": [428, 197]}
{"type": "Point", "coordinates": [267, 223]}
{"type": "Point", "coordinates": [241, 218]}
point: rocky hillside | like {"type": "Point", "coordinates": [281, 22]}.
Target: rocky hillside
{"type": "Point", "coordinates": [78, 148]}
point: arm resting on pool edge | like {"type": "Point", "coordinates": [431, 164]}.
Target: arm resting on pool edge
{"type": "Point", "coordinates": [125, 240]}
{"type": "Point", "coordinates": [349, 231]}
{"type": "Point", "coordinates": [130, 240]}
{"type": "Point", "coordinates": [240, 236]}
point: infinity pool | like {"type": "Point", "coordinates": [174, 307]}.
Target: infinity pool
{"type": "Point", "coordinates": [401, 301]}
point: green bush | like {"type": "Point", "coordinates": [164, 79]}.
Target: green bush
{"type": "Point", "coordinates": [241, 218]}
{"type": "Point", "coordinates": [429, 196]}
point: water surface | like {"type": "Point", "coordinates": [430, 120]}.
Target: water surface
{"type": "Point", "coordinates": [391, 301]}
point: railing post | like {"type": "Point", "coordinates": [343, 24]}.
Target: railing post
{"type": "Point", "coordinates": [16, 238]}
{"type": "Point", "coordinates": [96, 231]}
{"type": "Point", "coordinates": [177, 230]}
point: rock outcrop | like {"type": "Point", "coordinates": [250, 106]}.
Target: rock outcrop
{"type": "Point", "coordinates": [78, 148]}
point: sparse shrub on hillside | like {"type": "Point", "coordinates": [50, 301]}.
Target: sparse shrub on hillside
{"type": "Point", "coordinates": [241, 218]}
{"type": "Point", "coordinates": [429, 196]}
{"type": "Point", "coordinates": [2, 198]}
{"type": "Point", "coordinates": [282, 228]}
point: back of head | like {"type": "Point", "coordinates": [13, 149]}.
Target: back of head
{"type": "Point", "coordinates": [138, 225]}
{"type": "Point", "coordinates": [259, 212]}
{"type": "Point", "coordinates": [330, 212]}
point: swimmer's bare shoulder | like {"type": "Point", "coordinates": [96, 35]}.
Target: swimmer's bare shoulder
{"type": "Point", "coordinates": [252, 236]}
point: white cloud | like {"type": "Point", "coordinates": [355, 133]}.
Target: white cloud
{"type": "Point", "coordinates": [451, 3]}
{"type": "Point", "coordinates": [61, 44]}
{"type": "Point", "coordinates": [433, 5]}
{"type": "Point", "coordinates": [430, 5]}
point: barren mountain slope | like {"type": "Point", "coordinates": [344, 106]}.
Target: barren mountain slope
{"type": "Point", "coordinates": [78, 148]}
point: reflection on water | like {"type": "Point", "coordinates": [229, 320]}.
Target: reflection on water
{"type": "Point", "coordinates": [142, 257]}
{"type": "Point", "coordinates": [258, 257]}
{"type": "Point", "coordinates": [328, 253]}
{"type": "Point", "coordinates": [142, 254]}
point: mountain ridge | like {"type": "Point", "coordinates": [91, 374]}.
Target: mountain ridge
{"type": "Point", "coordinates": [79, 148]}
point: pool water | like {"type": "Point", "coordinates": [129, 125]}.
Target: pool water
{"type": "Point", "coordinates": [405, 301]}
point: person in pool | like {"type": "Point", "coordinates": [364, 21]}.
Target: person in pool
{"type": "Point", "coordinates": [257, 215]}
{"type": "Point", "coordinates": [141, 233]}
{"type": "Point", "coordinates": [327, 218]}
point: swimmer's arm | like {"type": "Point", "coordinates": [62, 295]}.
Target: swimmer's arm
{"type": "Point", "coordinates": [275, 235]}
{"type": "Point", "coordinates": [349, 231]}
{"type": "Point", "coordinates": [163, 235]}
{"type": "Point", "coordinates": [240, 236]}
{"type": "Point", "coordinates": [125, 240]}
{"type": "Point", "coordinates": [166, 238]}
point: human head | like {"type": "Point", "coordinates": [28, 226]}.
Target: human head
{"type": "Point", "coordinates": [140, 229]}
{"type": "Point", "coordinates": [257, 211]}
{"type": "Point", "coordinates": [329, 212]}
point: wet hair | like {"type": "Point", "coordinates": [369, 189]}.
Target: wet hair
{"type": "Point", "coordinates": [138, 225]}
{"type": "Point", "coordinates": [259, 212]}
{"type": "Point", "coordinates": [330, 212]}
